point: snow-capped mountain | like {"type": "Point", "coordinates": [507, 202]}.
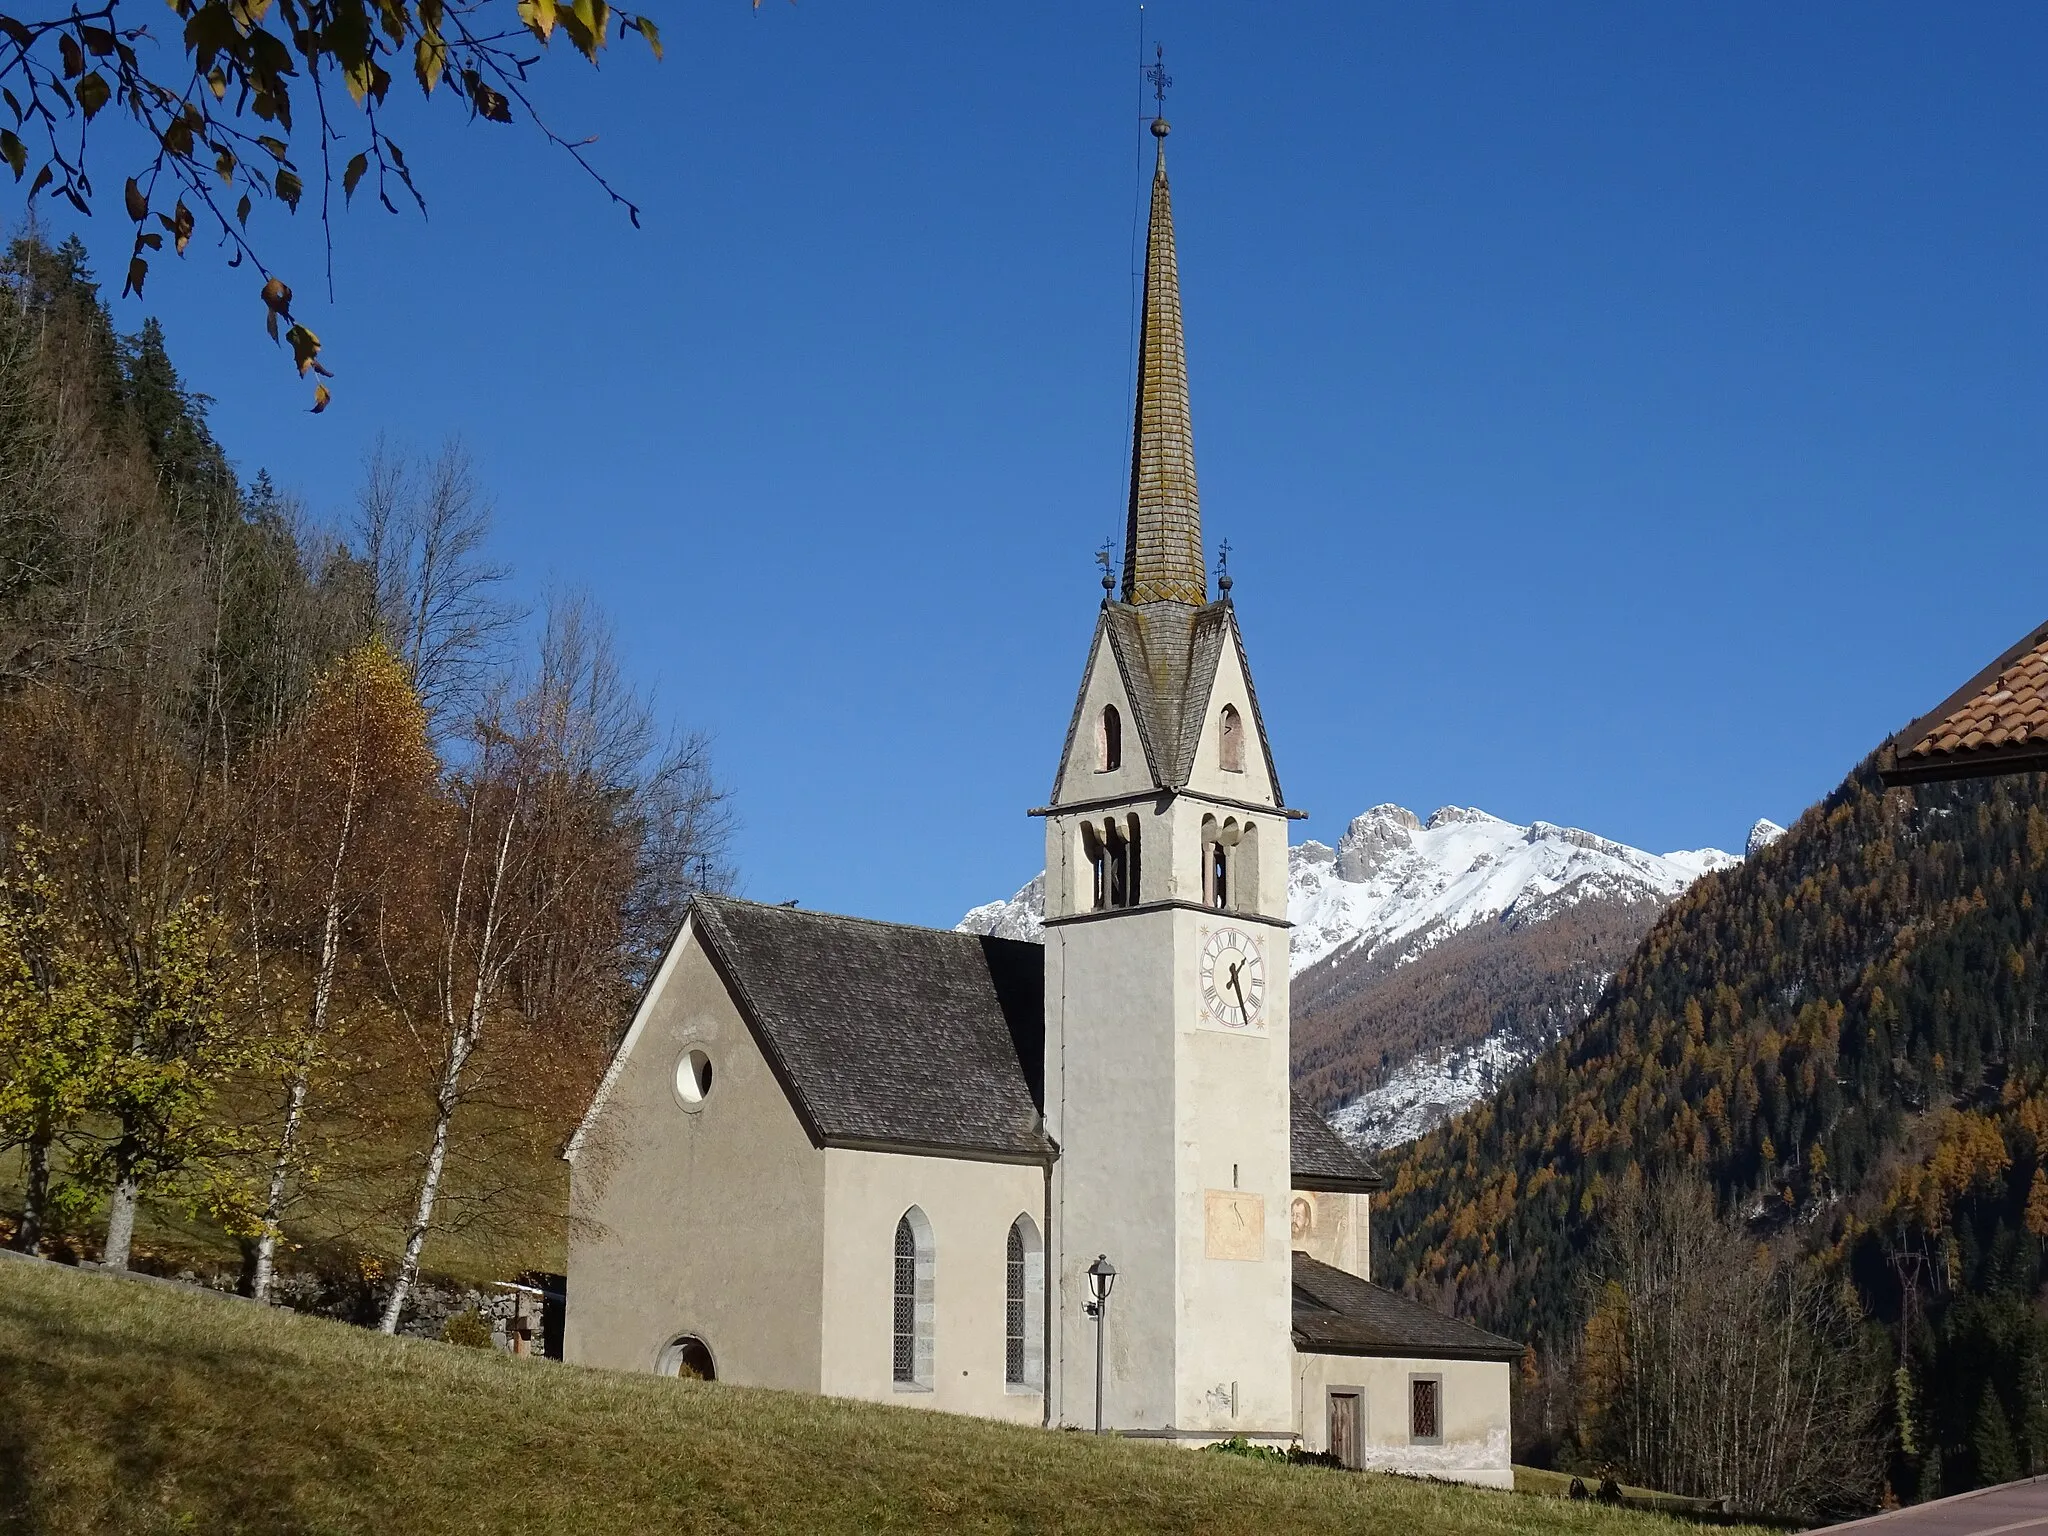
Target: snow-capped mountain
{"type": "Point", "coordinates": [1434, 957]}
{"type": "Point", "coordinates": [1394, 886]}
{"type": "Point", "coordinates": [1021, 917]}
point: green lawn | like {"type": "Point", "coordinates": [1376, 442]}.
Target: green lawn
{"type": "Point", "coordinates": [132, 1407]}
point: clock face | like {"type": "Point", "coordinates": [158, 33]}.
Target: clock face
{"type": "Point", "coordinates": [1233, 979]}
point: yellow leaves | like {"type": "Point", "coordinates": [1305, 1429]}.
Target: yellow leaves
{"type": "Point", "coordinates": [539, 17]}
{"type": "Point", "coordinates": [1969, 1153]}
{"type": "Point", "coordinates": [429, 61]}
{"type": "Point", "coordinates": [2037, 1204]}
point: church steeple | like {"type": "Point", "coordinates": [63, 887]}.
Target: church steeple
{"type": "Point", "coordinates": [1163, 540]}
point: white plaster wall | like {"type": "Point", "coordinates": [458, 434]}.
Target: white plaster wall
{"type": "Point", "coordinates": [1152, 1113]}
{"type": "Point", "coordinates": [970, 1206]}
{"type": "Point", "coordinates": [1207, 774]}
{"type": "Point", "coordinates": [1335, 1227]}
{"type": "Point", "coordinates": [708, 1222]}
{"type": "Point", "coordinates": [1476, 1444]}
{"type": "Point", "coordinates": [1080, 778]}
{"type": "Point", "coordinates": [1110, 1095]}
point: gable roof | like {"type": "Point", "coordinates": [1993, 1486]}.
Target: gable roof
{"type": "Point", "coordinates": [1995, 723]}
{"type": "Point", "coordinates": [1321, 1159]}
{"type": "Point", "coordinates": [888, 1035]}
{"type": "Point", "coordinates": [1336, 1313]}
{"type": "Point", "coordinates": [1167, 655]}
{"type": "Point", "coordinates": [894, 1037]}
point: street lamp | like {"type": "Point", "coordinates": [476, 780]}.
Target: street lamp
{"type": "Point", "coordinates": [1101, 1281]}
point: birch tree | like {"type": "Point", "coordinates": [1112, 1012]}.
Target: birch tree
{"type": "Point", "coordinates": [562, 793]}
{"type": "Point", "coordinates": [349, 788]}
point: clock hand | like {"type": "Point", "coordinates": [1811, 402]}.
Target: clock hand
{"type": "Point", "coordinates": [1238, 987]}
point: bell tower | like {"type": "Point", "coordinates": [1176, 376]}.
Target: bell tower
{"type": "Point", "coordinates": [1166, 1046]}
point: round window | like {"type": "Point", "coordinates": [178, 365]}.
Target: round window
{"type": "Point", "coordinates": [693, 1077]}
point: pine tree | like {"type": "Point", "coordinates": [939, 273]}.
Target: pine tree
{"type": "Point", "coordinates": [1991, 1441]}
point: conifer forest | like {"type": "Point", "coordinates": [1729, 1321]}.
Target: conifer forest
{"type": "Point", "coordinates": [1797, 1158]}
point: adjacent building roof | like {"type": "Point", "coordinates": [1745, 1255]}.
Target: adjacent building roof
{"type": "Point", "coordinates": [1995, 723]}
{"type": "Point", "coordinates": [889, 1035]}
{"type": "Point", "coordinates": [1336, 1313]}
{"type": "Point", "coordinates": [1322, 1160]}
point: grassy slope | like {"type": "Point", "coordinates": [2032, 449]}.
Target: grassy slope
{"type": "Point", "coordinates": [127, 1407]}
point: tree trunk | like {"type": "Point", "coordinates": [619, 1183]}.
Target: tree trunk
{"type": "Point", "coordinates": [120, 1226]}
{"type": "Point", "coordinates": [445, 1102]}
{"type": "Point", "coordinates": [35, 1199]}
{"type": "Point", "coordinates": [273, 1207]}
{"type": "Point", "coordinates": [316, 1031]}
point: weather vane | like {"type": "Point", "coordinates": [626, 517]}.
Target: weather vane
{"type": "Point", "coordinates": [1102, 559]}
{"type": "Point", "coordinates": [1223, 565]}
{"type": "Point", "coordinates": [1162, 82]}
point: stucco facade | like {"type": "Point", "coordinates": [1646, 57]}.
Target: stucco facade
{"type": "Point", "coordinates": [971, 1207]}
{"type": "Point", "coordinates": [1472, 1445]}
{"type": "Point", "coordinates": [697, 1219]}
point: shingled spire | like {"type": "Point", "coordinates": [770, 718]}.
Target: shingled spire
{"type": "Point", "coordinates": [1163, 541]}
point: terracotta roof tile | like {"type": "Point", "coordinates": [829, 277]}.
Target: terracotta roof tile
{"type": "Point", "coordinates": [1995, 723]}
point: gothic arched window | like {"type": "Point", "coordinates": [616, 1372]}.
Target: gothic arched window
{"type": "Point", "coordinates": [1230, 740]}
{"type": "Point", "coordinates": [1109, 739]}
{"type": "Point", "coordinates": [912, 1322]}
{"type": "Point", "coordinates": [1024, 1309]}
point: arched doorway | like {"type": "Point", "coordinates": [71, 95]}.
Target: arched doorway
{"type": "Point", "coordinates": [690, 1358]}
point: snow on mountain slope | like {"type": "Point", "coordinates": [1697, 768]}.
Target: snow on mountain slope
{"type": "Point", "coordinates": [1473, 893]}
{"type": "Point", "coordinates": [1021, 917]}
{"type": "Point", "coordinates": [1394, 886]}
{"type": "Point", "coordinates": [1393, 880]}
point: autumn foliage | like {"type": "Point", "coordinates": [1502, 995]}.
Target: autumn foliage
{"type": "Point", "coordinates": [1841, 1040]}
{"type": "Point", "coordinates": [327, 876]}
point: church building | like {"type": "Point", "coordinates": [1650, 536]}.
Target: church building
{"type": "Point", "coordinates": [1062, 1183]}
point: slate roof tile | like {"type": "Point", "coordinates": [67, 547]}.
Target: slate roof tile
{"type": "Point", "coordinates": [1338, 1313]}
{"type": "Point", "coordinates": [890, 1034]}
{"type": "Point", "coordinates": [1321, 1159]}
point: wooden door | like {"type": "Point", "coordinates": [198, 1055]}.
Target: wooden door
{"type": "Point", "coordinates": [1344, 1427]}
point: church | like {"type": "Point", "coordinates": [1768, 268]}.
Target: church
{"type": "Point", "coordinates": [1062, 1183]}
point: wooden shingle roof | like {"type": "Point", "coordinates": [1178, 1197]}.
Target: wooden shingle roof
{"type": "Point", "coordinates": [1995, 723]}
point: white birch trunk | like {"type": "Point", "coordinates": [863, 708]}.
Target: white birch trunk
{"type": "Point", "coordinates": [316, 1031]}
{"type": "Point", "coordinates": [463, 1035]}
{"type": "Point", "coordinates": [120, 1226]}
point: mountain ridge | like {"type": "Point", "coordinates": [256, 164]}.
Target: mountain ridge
{"type": "Point", "coordinates": [1450, 949]}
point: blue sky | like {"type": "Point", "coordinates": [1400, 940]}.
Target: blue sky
{"type": "Point", "coordinates": [1620, 415]}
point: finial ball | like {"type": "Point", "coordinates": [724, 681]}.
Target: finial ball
{"type": "Point", "coordinates": [1159, 128]}
{"type": "Point", "coordinates": [1224, 583]}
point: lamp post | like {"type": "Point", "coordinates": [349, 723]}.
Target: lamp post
{"type": "Point", "coordinates": [1101, 1280]}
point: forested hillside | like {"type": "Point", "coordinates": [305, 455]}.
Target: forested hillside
{"type": "Point", "coordinates": [327, 872]}
{"type": "Point", "coordinates": [1841, 1038]}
